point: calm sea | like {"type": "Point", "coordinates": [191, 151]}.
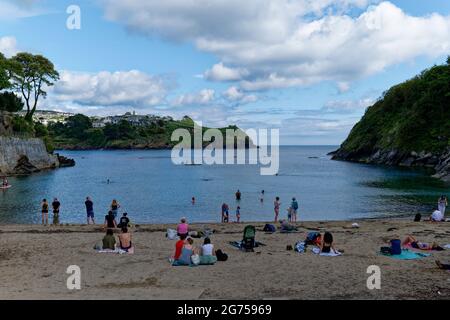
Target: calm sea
{"type": "Point", "coordinates": [153, 190]}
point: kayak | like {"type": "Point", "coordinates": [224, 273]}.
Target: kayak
{"type": "Point", "coordinates": [5, 187]}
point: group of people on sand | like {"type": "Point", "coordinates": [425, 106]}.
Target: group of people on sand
{"type": "Point", "coordinates": [291, 210]}
{"type": "Point", "coordinates": [124, 237]}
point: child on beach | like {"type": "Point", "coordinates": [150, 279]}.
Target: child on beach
{"type": "Point", "coordinates": [238, 214]}
{"type": "Point", "coordinates": [225, 214]}
{"type": "Point", "coordinates": [44, 210]}
{"type": "Point", "coordinates": [294, 207]}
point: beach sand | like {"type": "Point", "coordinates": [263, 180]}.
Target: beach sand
{"type": "Point", "coordinates": [34, 259]}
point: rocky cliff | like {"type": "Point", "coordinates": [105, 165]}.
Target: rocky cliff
{"type": "Point", "coordinates": [408, 126]}
{"type": "Point", "coordinates": [22, 155]}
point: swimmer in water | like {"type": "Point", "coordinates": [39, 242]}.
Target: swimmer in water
{"type": "Point", "coordinates": [193, 200]}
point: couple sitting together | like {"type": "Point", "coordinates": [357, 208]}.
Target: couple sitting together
{"type": "Point", "coordinates": [125, 244]}
{"type": "Point", "coordinates": [186, 254]}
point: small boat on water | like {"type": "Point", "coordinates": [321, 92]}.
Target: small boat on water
{"type": "Point", "coordinates": [2, 187]}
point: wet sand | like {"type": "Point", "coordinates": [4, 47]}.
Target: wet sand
{"type": "Point", "coordinates": [34, 259]}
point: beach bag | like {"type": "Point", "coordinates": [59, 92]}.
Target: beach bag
{"type": "Point", "coordinates": [195, 258]}
{"type": "Point", "coordinates": [385, 250]}
{"type": "Point", "coordinates": [171, 234]}
{"type": "Point", "coordinates": [396, 247]}
{"type": "Point", "coordinates": [300, 246]}
{"type": "Point", "coordinates": [269, 228]}
{"type": "Point", "coordinates": [417, 217]}
{"type": "Point", "coordinates": [221, 256]}
{"type": "Point", "coordinates": [312, 237]}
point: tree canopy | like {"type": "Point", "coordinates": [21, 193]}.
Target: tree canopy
{"type": "Point", "coordinates": [31, 75]}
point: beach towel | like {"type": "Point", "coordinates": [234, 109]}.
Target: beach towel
{"type": "Point", "coordinates": [406, 255]}
{"type": "Point", "coordinates": [332, 253]}
{"type": "Point", "coordinates": [117, 251]}
{"type": "Point", "coordinates": [238, 244]}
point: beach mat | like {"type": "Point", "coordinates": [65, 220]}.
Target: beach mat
{"type": "Point", "coordinates": [237, 244]}
{"type": "Point", "coordinates": [407, 255]}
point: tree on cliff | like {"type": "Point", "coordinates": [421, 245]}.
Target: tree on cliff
{"type": "Point", "coordinates": [31, 74]}
{"type": "Point", "coordinates": [4, 77]}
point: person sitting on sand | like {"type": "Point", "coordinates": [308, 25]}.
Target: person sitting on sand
{"type": "Point", "coordinates": [179, 247]}
{"type": "Point", "coordinates": [186, 253]}
{"type": "Point", "coordinates": [437, 216]}
{"type": "Point", "coordinates": [124, 221]}
{"type": "Point", "coordinates": [110, 220]}
{"type": "Point", "coordinates": [109, 241]}
{"type": "Point", "coordinates": [442, 266]}
{"type": "Point", "coordinates": [286, 226]}
{"type": "Point", "coordinates": [183, 228]}
{"type": "Point", "coordinates": [327, 246]}
{"type": "Point", "coordinates": [411, 242]}
{"type": "Point", "coordinates": [208, 255]}
{"type": "Point", "coordinates": [125, 239]}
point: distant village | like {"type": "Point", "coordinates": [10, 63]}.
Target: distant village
{"type": "Point", "coordinates": [47, 117]}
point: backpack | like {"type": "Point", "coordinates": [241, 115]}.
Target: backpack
{"type": "Point", "coordinates": [417, 217]}
{"type": "Point", "coordinates": [269, 228]}
{"type": "Point", "coordinates": [221, 256]}
{"type": "Point", "coordinates": [396, 247]}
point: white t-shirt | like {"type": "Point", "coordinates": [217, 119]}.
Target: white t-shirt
{"type": "Point", "coordinates": [207, 249]}
{"type": "Point", "coordinates": [437, 216]}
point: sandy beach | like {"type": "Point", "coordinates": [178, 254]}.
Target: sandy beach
{"type": "Point", "coordinates": [34, 259]}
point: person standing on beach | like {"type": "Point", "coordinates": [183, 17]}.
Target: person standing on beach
{"type": "Point", "coordinates": [44, 209]}
{"type": "Point", "coordinates": [238, 195]}
{"type": "Point", "coordinates": [225, 213]}
{"type": "Point", "coordinates": [89, 210]}
{"type": "Point", "coordinates": [294, 207]}
{"type": "Point", "coordinates": [442, 203]}
{"type": "Point", "coordinates": [276, 207]}
{"type": "Point", "coordinates": [115, 207]}
{"type": "Point", "coordinates": [238, 214]}
{"type": "Point", "coordinates": [110, 220]}
{"type": "Point", "coordinates": [56, 205]}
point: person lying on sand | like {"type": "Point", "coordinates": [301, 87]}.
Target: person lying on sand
{"type": "Point", "coordinates": [109, 241]}
{"type": "Point", "coordinates": [286, 226]}
{"type": "Point", "coordinates": [411, 242]}
{"type": "Point", "coordinates": [442, 265]}
{"type": "Point", "coordinates": [125, 239]}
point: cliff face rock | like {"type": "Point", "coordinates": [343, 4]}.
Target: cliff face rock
{"type": "Point", "coordinates": [408, 126]}
{"type": "Point", "coordinates": [24, 156]}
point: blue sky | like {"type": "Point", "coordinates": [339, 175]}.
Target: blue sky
{"type": "Point", "coordinates": [307, 67]}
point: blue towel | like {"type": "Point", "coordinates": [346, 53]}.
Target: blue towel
{"type": "Point", "coordinates": [407, 255]}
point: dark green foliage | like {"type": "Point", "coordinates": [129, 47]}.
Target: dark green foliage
{"type": "Point", "coordinates": [10, 102]}
{"type": "Point", "coordinates": [411, 116]}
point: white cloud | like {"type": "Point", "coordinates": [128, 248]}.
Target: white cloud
{"type": "Point", "coordinates": [123, 88]}
{"type": "Point", "coordinates": [8, 46]}
{"type": "Point", "coordinates": [203, 97]}
{"type": "Point", "coordinates": [17, 9]}
{"type": "Point", "coordinates": [282, 43]}
{"type": "Point", "coordinates": [219, 72]}
{"type": "Point", "coordinates": [233, 94]}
